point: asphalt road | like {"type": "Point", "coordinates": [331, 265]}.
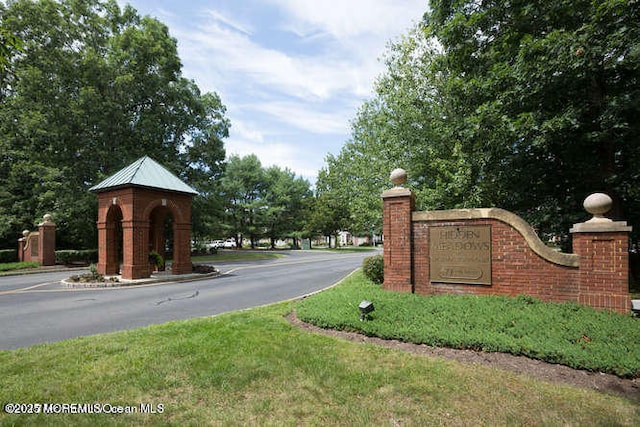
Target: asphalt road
{"type": "Point", "coordinates": [36, 308]}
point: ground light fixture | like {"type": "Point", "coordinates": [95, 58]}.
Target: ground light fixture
{"type": "Point", "coordinates": [365, 308]}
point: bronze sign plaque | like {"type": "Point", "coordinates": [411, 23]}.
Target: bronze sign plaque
{"type": "Point", "coordinates": [460, 254]}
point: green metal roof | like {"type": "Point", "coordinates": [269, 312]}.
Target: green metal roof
{"type": "Point", "coordinates": [144, 172]}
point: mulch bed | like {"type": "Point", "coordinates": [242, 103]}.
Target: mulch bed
{"type": "Point", "coordinates": [606, 383]}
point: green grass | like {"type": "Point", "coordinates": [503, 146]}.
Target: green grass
{"type": "Point", "coordinates": [253, 368]}
{"type": "Point", "coordinates": [569, 334]}
{"type": "Point", "coordinates": [11, 266]}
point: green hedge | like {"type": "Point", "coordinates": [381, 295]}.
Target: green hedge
{"type": "Point", "coordinates": [67, 257]}
{"type": "Point", "coordinates": [8, 255]}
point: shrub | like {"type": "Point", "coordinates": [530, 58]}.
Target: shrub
{"type": "Point", "coordinates": [67, 257]}
{"type": "Point", "coordinates": [8, 255]}
{"type": "Point", "coordinates": [156, 259]}
{"type": "Point", "coordinates": [567, 333]}
{"type": "Point", "coordinates": [92, 277]}
{"type": "Point", "coordinates": [373, 268]}
{"type": "Point", "coordinates": [203, 268]}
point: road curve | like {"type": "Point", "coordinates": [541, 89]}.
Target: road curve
{"type": "Point", "coordinates": [36, 309]}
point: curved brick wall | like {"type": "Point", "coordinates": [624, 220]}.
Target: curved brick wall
{"type": "Point", "coordinates": [596, 273]}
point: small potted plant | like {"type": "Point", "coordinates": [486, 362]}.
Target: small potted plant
{"type": "Point", "coordinates": [155, 261]}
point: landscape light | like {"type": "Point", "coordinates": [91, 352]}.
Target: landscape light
{"type": "Point", "coordinates": [365, 308]}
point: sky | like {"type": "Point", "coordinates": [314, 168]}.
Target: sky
{"type": "Point", "coordinates": [291, 73]}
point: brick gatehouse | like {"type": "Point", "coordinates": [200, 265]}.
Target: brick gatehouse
{"type": "Point", "coordinates": [133, 205]}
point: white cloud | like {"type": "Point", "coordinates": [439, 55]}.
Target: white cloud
{"type": "Point", "coordinates": [239, 57]}
{"type": "Point", "coordinates": [246, 132]}
{"type": "Point", "coordinates": [306, 117]}
{"type": "Point", "coordinates": [291, 72]}
{"type": "Point", "coordinates": [344, 19]}
{"type": "Point", "coordinates": [237, 26]}
{"type": "Point", "coordinates": [270, 154]}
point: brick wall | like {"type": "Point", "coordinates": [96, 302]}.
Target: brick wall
{"type": "Point", "coordinates": [596, 274]}
{"type": "Point", "coordinates": [515, 268]}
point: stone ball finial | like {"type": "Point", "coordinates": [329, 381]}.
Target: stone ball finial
{"type": "Point", "coordinates": [25, 233]}
{"type": "Point", "coordinates": [47, 218]}
{"type": "Point", "coordinates": [598, 204]}
{"type": "Point", "coordinates": [398, 177]}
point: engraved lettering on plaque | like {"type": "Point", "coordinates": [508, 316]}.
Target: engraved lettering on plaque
{"type": "Point", "coordinates": [460, 254]}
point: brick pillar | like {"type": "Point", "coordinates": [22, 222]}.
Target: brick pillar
{"type": "Point", "coordinates": [47, 242]}
{"type": "Point", "coordinates": [108, 247]}
{"type": "Point", "coordinates": [109, 217]}
{"type": "Point", "coordinates": [102, 248]}
{"type": "Point", "coordinates": [397, 206]}
{"type": "Point", "coordinates": [603, 248]}
{"type": "Point", "coordinates": [135, 242]}
{"type": "Point", "coordinates": [22, 242]}
{"type": "Point", "coordinates": [181, 249]}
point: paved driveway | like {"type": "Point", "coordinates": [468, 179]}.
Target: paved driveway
{"type": "Point", "coordinates": [35, 308]}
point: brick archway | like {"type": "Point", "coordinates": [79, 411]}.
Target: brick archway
{"type": "Point", "coordinates": [132, 200]}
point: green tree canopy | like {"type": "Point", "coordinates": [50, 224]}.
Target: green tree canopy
{"type": "Point", "coordinates": [262, 202]}
{"type": "Point", "coordinates": [243, 187]}
{"type": "Point", "coordinates": [285, 201]}
{"type": "Point", "coordinates": [526, 106]}
{"type": "Point", "coordinates": [546, 101]}
{"type": "Point", "coordinates": [93, 88]}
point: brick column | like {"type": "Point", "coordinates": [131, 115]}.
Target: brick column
{"type": "Point", "coordinates": [181, 249]}
{"type": "Point", "coordinates": [603, 248]}
{"type": "Point", "coordinates": [397, 206]}
{"type": "Point", "coordinates": [135, 237]}
{"type": "Point", "coordinates": [108, 246]}
{"type": "Point", "coordinates": [47, 241]}
{"type": "Point", "coordinates": [22, 242]}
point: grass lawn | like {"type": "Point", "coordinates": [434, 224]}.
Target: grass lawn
{"type": "Point", "coordinates": [254, 368]}
{"type": "Point", "coordinates": [13, 266]}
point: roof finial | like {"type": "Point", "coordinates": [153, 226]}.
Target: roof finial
{"type": "Point", "coordinates": [398, 177]}
{"type": "Point", "coordinates": [598, 204]}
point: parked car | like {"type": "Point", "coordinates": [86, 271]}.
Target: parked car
{"type": "Point", "coordinates": [229, 244]}
{"type": "Point", "coordinates": [217, 244]}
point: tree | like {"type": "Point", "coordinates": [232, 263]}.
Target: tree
{"type": "Point", "coordinates": [544, 96]}
{"type": "Point", "coordinates": [328, 214]}
{"type": "Point", "coordinates": [262, 202]}
{"type": "Point", "coordinates": [9, 44]}
{"type": "Point", "coordinates": [94, 88]}
{"type": "Point", "coordinates": [393, 129]}
{"type": "Point", "coordinates": [284, 204]}
{"type": "Point", "coordinates": [243, 187]}
{"type": "Point", "coordinates": [529, 107]}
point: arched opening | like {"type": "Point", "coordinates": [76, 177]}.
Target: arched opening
{"type": "Point", "coordinates": [161, 234]}
{"type": "Point", "coordinates": [113, 240]}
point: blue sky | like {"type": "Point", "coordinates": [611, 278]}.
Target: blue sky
{"type": "Point", "coordinates": [292, 73]}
